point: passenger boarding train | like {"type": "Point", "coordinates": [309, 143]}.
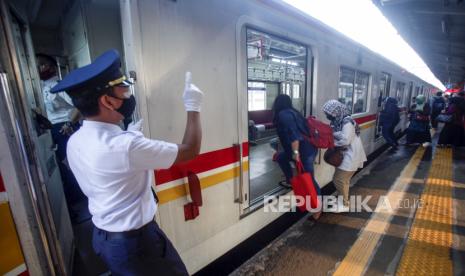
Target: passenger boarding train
{"type": "Point", "coordinates": [241, 53]}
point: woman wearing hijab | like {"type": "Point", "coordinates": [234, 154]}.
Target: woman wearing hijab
{"type": "Point", "coordinates": [291, 127]}
{"type": "Point", "coordinates": [453, 132]}
{"type": "Point", "coordinates": [389, 118]}
{"type": "Point", "coordinates": [347, 135]}
{"type": "Point", "coordinates": [418, 130]}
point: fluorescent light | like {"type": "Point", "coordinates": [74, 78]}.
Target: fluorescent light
{"type": "Point", "coordinates": [363, 22]}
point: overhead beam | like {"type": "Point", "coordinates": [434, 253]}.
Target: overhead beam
{"type": "Point", "coordinates": [457, 44]}
{"type": "Point", "coordinates": [422, 6]}
{"type": "Point", "coordinates": [446, 39]}
{"type": "Point", "coordinates": [453, 56]}
{"type": "Point", "coordinates": [441, 12]}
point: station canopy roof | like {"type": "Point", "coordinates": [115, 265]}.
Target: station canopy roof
{"type": "Point", "coordinates": [435, 29]}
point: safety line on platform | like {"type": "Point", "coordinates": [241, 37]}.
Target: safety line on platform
{"type": "Point", "coordinates": [427, 251]}
{"type": "Point", "coordinates": [360, 254]}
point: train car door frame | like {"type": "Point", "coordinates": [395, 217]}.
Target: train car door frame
{"type": "Point", "coordinates": [36, 148]}
{"type": "Point", "coordinates": [243, 182]}
{"type": "Point", "coordinates": [383, 93]}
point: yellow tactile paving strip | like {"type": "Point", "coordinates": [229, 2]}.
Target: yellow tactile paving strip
{"type": "Point", "coordinates": [361, 252]}
{"type": "Point", "coordinates": [428, 246]}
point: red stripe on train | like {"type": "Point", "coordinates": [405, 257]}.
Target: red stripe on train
{"type": "Point", "coordinates": [202, 163]}
{"type": "Point", "coordinates": [2, 184]}
{"type": "Point", "coordinates": [365, 119]}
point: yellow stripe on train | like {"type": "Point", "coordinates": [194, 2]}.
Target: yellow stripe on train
{"type": "Point", "coordinates": [205, 182]}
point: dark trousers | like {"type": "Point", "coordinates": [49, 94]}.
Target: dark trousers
{"type": "Point", "coordinates": [388, 134]}
{"type": "Point", "coordinates": [284, 160]}
{"type": "Point", "coordinates": [71, 188]}
{"type": "Point", "coordinates": [434, 122]}
{"type": "Point", "coordinates": [148, 252]}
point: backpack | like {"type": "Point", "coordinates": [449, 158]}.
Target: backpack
{"type": "Point", "coordinates": [438, 104]}
{"type": "Point", "coordinates": [320, 134]}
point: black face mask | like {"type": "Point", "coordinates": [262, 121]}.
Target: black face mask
{"type": "Point", "coordinates": [128, 107]}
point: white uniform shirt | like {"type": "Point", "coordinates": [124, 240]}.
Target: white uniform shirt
{"type": "Point", "coordinates": [354, 155]}
{"type": "Point", "coordinates": [114, 169]}
{"type": "Point", "coordinates": [59, 106]}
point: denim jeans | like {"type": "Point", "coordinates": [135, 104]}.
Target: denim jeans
{"type": "Point", "coordinates": [388, 134]}
{"type": "Point", "coordinates": [284, 160]}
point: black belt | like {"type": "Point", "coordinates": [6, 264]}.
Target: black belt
{"type": "Point", "coordinates": [123, 235]}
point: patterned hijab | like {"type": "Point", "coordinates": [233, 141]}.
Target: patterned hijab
{"type": "Point", "coordinates": [341, 113]}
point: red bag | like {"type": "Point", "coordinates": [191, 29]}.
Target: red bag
{"type": "Point", "coordinates": [321, 134]}
{"type": "Point", "coordinates": [302, 185]}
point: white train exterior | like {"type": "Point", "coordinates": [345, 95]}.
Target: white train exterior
{"type": "Point", "coordinates": [160, 40]}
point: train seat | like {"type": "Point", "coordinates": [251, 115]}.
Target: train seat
{"type": "Point", "coordinates": [262, 117]}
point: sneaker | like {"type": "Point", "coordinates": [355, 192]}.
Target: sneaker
{"type": "Point", "coordinates": [426, 144]}
{"type": "Point", "coordinates": [285, 184]}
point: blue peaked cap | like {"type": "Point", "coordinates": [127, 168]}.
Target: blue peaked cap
{"type": "Point", "coordinates": [103, 72]}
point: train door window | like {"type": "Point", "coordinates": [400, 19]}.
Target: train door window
{"type": "Point", "coordinates": [346, 86]}
{"type": "Point", "coordinates": [274, 66]}
{"type": "Point", "coordinates": [410, 95]}
{"type": "Point", "coordinates": [417, 91]}
{"type": "Point", "coordinates": [400, 87]}
{"type": "Point", "coordinates": [353, 89]}
{"type": "Point", "coordinates": [361, 92]}
{"type": "Point", "coordinates": [384, 87]}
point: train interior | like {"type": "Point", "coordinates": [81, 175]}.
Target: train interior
{"type": "Point", "coordinates": [58, 29]}
{"type": "Point", "coordinates": [275, 66]}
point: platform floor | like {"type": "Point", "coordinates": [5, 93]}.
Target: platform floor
{"type": "Point", "coordinates": [422, 234]}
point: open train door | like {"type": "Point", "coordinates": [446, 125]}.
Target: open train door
{"type": "Point", "coordinates": [269, 64]}
{"type": "Point", "coordinates": [24, 101]}
{"type": "Point", "coordinates": [384, 91]}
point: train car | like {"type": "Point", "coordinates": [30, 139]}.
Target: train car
{"type": "Point", "coordinates": [241, 53]}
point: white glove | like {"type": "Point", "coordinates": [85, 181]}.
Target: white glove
{"type": "Point", "coordinates": [192, 95]}
{"type": "Point", "coordinates": [135, 126]}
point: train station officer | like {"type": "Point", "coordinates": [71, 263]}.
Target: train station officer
{"type": "Point", "coordinates": [114, 168]}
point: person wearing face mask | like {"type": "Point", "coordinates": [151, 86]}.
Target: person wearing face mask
{"type": "Point", "coordinates": [64, 118]}
{"type": "Point", "coordinates": [346, 135]}
{"type": "Point", "coordinates": [115, 167]}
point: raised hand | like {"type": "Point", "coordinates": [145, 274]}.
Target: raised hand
{"type": "Point", "coordinates": [192, 96]}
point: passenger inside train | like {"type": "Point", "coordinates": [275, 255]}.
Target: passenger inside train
{"type": "Point", "coordinates": [64, 119]}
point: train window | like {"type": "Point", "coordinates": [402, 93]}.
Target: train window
{"type": "Point", "coordinates": [296, 91]}
{"type": "Point", "coordinates": [256, 96]}
{"type": "Point", "coordinates": [346, 86]}
{"type": "Point", "coordinates": [361, 92]}
{"type": "Point", "coordinates": [353, 89]}
{"type": "Point", "coordinates": [417, 91]}
{"type": "Point", "coordinates": [400, 87]}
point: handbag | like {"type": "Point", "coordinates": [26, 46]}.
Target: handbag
{"type": "Point", "coordinates": [444, 118]}
{"type": "Point", "coordinates": [334, 156]}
